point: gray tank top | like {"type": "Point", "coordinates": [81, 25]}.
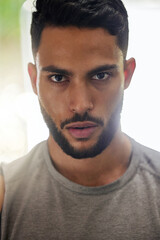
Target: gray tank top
{"type": "Point", "coordinates": [42, 204]}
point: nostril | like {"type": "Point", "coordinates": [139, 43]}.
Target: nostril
{"type": "Point", "coordinates": [81, 109]}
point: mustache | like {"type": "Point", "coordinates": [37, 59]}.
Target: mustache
{"type": "Point", "coordinates": [81, 118]}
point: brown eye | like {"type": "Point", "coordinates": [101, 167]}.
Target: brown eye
{"type": "Point", "coordinates": [57, 78]}
{"type": "Point", "coordinates": [101, 76]}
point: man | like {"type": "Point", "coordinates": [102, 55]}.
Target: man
{"type": "Point", "coordinates": [89, 180]}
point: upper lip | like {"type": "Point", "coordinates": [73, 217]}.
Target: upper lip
{"type": "Point", "coordinates": [81, 125]}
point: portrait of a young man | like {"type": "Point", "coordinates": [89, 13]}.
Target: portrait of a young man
{"type": "Point", "coordinates": [89, 180]}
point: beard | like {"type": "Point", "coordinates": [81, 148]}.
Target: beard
{"type": "Point", "coordinates": [103, 141]}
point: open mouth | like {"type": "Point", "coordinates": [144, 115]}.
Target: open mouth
{"type": "Point", "coordinates": [82, 130]}
{"type": "Point", "coordinates": [82, 127]}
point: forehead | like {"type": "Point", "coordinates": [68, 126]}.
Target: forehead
{"type": "Point", "coordinates": [72, 44]}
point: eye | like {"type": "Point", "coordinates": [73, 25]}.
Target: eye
{"type": "Point", "coordinates": [101, 76]}
{"type": "Point", "coordinates": [57, 78]}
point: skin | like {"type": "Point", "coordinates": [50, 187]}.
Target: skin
{"type": "Point", "coordinates": [80, 51]}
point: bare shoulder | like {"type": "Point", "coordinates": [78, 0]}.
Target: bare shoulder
{"type": "Point", "coordinates": [1, 191]}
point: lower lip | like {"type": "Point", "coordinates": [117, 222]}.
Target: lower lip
{"type": "Point", "coordinates": [82, 133]}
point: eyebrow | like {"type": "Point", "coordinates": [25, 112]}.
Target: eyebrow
{"type": "Point", "coordinates": [102, 68]}
{"type": "Point", "coordinates": [54, 69]}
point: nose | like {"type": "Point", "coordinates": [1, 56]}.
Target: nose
{"type": "Point", "coordinates": [80, 98]}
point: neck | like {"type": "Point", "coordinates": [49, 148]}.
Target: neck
{"type": "Point", "coordinates": [103, 169]}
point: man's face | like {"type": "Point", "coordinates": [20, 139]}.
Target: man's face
{"type": "Point", "coordinates": [79, 79]}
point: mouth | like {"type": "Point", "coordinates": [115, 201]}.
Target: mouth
{"type": "Point", "coordinates": [81, 130]}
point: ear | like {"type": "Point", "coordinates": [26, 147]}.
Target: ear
{"type": "Point", "coordinates": [33, 76]}
{"type": "Point", "coordinates": [129, 68]}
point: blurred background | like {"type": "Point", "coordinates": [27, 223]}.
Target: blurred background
{"type": "Point", "coordinates": [21, 124]}
{"type": "Point", "coordinates": [13, 140]}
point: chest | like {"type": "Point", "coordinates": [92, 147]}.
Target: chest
{"type": "Point", "coordinates": [54, 212]}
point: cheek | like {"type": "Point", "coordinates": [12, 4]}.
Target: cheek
{"type": "Point", "coordinates": [52, 101]}
{"type": "Point", "coordinates": [110, 99]}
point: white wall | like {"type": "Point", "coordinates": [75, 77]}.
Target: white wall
{"type": "Point", "coordinates": [141, 115]}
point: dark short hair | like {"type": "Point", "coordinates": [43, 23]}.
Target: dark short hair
{"type": "Point", "coordinates": [110, 15]}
